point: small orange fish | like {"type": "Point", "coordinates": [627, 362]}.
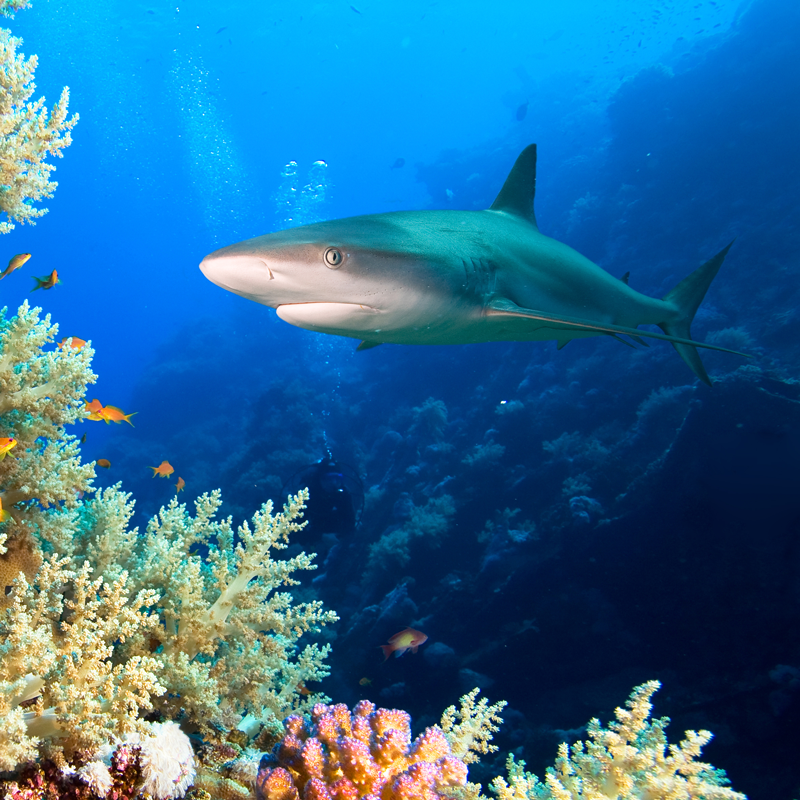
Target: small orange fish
{"type": "Point", "coordinates": [104, 463]}
{"type": "Point", "coordinates": [16, 262]}
{"type": "Point", "coordinates": [4, 515]}
{"type": "Point", "coordinates": [114, 414]}
{"type": "Point", "coordinates": [365, 682]}
{"type": "Point", "coordinates": [95, 409]}
{"type": "Point", "coordinates": [407, 639]}
{"type": "Point", "coordinates": [48, 282]}
{"type": "Point", "coordinates": [163, 470]}
{"type": "Point", "coordinates": [6, 445]}
{"type": "Point", "coordinates": [179, 485]}
{"type": "Point", "coordinates": [77, 344]}
{"type": "Point", "coordinates": [303, 689]}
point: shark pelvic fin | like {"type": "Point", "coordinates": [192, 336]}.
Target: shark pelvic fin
{"type": "Point", "coordinates": [518, 192]}
{"type": "Point", "coordinates": [503, 307]}
{"type": "Point", "coordinates": [366, 345]}
{"type": "Point", "coordinates": [686, 297]}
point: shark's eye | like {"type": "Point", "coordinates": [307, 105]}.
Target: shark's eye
{"type": "Point", "coordinates": [333, 258]}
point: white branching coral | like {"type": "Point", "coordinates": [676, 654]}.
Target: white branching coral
{"type": "Point", "coordinates": [204, 639]}
{"type": "Point", "coordinates": [8, 7]}
{"type": "Point", "coordinates": [100, 625]}
{"type": "Point", "coordinates": [229, 638]}
{"type": "Point", "coordinates": [41, 392]}
{"type": "Point", "coordinates": [57, 650]}
{"type": "Point", "coordinates": [28, 132]}
{"type": "Point", "coordinates": [629, 759]}
{"type": "Point", "coordinates": [470, 727]}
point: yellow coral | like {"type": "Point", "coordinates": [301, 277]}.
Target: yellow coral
{"type": "Point", "coordinates": [112, 620]}
{"type": "Point", "coordinates": [59, 651]}
{"type": "Point", "coordinates": [470, 727]}
{"type": "Point", "coordinates": [28, 133]}
{"type": "Point", "coordinates": [229, 637]}
{"type": "Point", "coordinates": [629, 759]}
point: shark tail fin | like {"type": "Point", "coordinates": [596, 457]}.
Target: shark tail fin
{"type": "Point", "coordinates": [686, 298]}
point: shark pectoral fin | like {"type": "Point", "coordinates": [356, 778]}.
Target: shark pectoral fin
{"type": "Point", "coordinates": [503, 307]}
{"type": "Point", "coordinates": [367, 345]}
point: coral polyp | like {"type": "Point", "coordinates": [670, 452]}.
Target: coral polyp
{"type": "Point", "coordinates": [369, 753]}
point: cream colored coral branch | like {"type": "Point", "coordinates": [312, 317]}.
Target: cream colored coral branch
{"type": "Point", "coordinates": [469, 728]}
{"type": "Point", "coordinates": [629, 759]}
{"type": "Point", "coordinates": [8, 7]}
{"type": "Point", "coordinates": [29, 134]}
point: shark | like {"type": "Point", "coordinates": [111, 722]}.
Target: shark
{"type": "Point", "coordinates": [456, 277]}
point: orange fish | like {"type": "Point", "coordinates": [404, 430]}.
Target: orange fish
{"type": "Point", "coordinates": [179, 485]}
{"type": "Point", "coordinates": [103, 462]}
{"type": "Point", "coordinates": [16, 262]}
{"type": "Point", "coordinates": [77, 344]}
{"type": "Point", "coordinates": [303, 689]}
{"type": "Point", "coordinates": [48, 282]}
{"type": "Point", "coordinates": [408, 639]}
{"type": "Point", "coordinates": [4, 515]}
{"type": "Point", "coordinates": [95, 409]}
{"type": "Point", "coordinates": [6, 445]}
{"type": "Point", "coordinates": [163, 470]}
{"type": "Point", "coordinates": [114, 414]}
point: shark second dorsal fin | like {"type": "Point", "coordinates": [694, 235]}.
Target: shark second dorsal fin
{"type": "Point", "coordinates": [519, 190]}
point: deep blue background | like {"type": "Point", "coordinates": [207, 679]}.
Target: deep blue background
{"type": "Point", "coordinates": [664, 131]}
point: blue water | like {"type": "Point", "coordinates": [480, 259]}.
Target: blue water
{"type": "Point", "coordinates": [665, 130]}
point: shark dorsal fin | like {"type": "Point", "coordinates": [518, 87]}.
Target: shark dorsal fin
{"type": "Point", "coordinates": [519, 190]}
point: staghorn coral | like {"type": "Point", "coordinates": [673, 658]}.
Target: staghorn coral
{"type": "Point", "coordinates": [364, 754]}
{"type": "Point", "coordinates": [28, 132]}
{"type": "Point", "coordinates": [629, 759]}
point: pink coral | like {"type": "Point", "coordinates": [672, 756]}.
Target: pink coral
{"type": "Point", "coordinates": [364, 755]}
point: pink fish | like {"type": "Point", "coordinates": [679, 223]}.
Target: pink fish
{"type": "Point", "coordinates": [407, 639]}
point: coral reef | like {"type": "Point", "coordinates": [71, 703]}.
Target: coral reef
{"type": "Point", "coordinates": [160, 765]}
{"type": "Point", "coordinates": [370, 753]}
{"type": "Point", "coordinates": [101, 626]}
{"type": "Point", "coordinates": [28, 132]}
{"type": "Point", "coordinates": [631, 758]}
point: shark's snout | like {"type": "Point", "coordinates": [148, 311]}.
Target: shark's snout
{"type": "Point", "coordinates": [242, 274]}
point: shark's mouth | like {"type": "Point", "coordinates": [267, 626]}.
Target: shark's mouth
{"type": "Point", "coordinates": [325, 316]}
